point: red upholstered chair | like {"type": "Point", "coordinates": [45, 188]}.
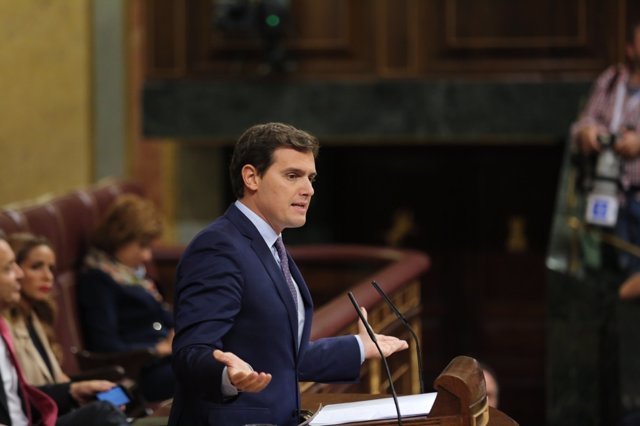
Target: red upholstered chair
{"type": "Point", "coordinates": [65, 222]}
{"type": "Point", "coordinates": [67, 324]}
{"type": "Point", "coordinates": [105, 193]}
{"type": "Point", "coordinates": [77, 359]}
{"type": "Point", "coordinates": [44, 219]}
{"type": "Point", "coordinates": [68, 222]}
{"type": "Point", "coordinates": [79, 214]}
{"type": "Point", "coordinates": [12, 221]}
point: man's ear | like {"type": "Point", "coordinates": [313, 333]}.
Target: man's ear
{"type": "Point", "coordinates": [250, 177]}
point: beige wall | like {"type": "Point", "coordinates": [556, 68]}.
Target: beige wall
{"type": "Point", "coordinates": [45, 99]}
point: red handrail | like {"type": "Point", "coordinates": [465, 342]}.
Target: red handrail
{"type": "Point", "coordinates": [403, 266]}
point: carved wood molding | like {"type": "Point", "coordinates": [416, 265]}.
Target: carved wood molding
{"type": "Point", "coordinates": [455, 40]}
{"type": "Point", "coordinates": [394, 38]}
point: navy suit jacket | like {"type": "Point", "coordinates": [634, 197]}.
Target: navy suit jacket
{"type": "Point", "coordinates": [117, 317]}
{"type": "Point", "coordinates": [231, 295]}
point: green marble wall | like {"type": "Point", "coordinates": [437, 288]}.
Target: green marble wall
{"type": "Point", "coordinates": [398, 110]}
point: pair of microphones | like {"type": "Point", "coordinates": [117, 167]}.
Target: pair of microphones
{"type": "Point", "coordinates": [372, 335]}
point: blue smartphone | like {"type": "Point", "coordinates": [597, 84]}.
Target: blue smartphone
{"type": "Point", "coordinates": [117, 395]}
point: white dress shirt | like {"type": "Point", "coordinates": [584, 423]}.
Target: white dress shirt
{"type": "Point", "coordinates": [10, 384]}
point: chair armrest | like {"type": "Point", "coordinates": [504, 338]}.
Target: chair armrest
{"type": "Point", "coordinates": [168, 253]}
{"type": "Point", "coordinates": [163, 268]}
{"type": "Point", "coordinates": [113, 373]}
{"type": "Point", "coordinates": [130, 361]}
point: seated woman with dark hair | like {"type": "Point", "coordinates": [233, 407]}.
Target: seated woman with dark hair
{"type": "Point", "coordinates": [32, 319]}
{"type": "Point", "coordinates": [31, 326]}
{"type": "Point", "coordinates": [120, 307]}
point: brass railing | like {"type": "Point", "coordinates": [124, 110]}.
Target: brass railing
{"type": "Point", "coordinates": [398, 272]}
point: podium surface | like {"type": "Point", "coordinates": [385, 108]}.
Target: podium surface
{"type": "Point", "coordinates": [311, 402]}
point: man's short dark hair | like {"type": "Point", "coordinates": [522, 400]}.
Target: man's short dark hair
{"type": "Point", "coordinates": [257, 145]}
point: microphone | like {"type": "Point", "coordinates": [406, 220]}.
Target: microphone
{"type": "Point", "coordinates": [384, 360]}
{"type": "Point", "coordinates": [408, 327]}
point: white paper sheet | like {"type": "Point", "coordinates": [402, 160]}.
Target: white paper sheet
{"type": "Point", "coordinates": [374, 409]}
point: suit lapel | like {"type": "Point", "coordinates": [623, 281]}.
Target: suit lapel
{"type": "Point", "coordinates": [271, 266]}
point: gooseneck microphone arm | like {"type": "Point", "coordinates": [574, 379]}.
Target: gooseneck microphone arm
{"type": "Point", "coordinates": [384, 360]}
{"type": "Point", "coordinates": [408, 327]}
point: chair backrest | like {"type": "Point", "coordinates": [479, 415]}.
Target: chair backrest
{"type": "Point", "coordinates": [68, 222]}
{"type": "Point", "coordinates": [11, 221]}
{"type": "Point", "coordinates": [67, 325]}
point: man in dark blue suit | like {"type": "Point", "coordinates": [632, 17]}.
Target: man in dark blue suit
{"type": "Point", "coordinates": [242, 309]}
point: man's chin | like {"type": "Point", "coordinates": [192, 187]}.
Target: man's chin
{"type": "Point", "coordinates": [297, 223]}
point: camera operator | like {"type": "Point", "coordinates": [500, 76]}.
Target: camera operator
{"type": "Point", "coordinates": [614, 109]}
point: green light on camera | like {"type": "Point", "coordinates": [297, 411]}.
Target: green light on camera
{"type": "Point", "coordinates": [273, 20]}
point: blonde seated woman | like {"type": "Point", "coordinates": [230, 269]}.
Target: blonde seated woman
{"type": "Point", "coordinates": [31, 325]}
{"type": "Point", "coordinates": [31, 321]}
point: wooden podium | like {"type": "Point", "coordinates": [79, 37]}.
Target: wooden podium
{"type": "Point", "coordinates": [461, 400]}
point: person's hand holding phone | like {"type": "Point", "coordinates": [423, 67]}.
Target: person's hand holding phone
{"type": "Point", "coordinates": [85, 391]}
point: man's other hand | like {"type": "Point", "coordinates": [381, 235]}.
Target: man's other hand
{"type": "Point", "coordinates": [388, 344]}
{"type": "Point", "coordinates": [241, 375]}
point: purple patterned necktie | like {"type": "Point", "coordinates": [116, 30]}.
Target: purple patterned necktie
{"type": "Point", "coordinates": [284, 265]}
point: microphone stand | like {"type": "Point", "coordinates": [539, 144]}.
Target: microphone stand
{"type": "Point", "coordinates": [384, 360]}
{"type": "Point", "coordinates": [408, 327]}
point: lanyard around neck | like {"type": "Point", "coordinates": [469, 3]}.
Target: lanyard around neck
{"type": "Point", "coordinates": [616, 116]}
{"type": "Point", "coordinates": [619, 104]}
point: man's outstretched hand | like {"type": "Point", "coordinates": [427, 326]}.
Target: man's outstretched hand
{"type": "Point", "coordinates": [241, 375]}
{"type": "Point", "coordinates": [388, 344]}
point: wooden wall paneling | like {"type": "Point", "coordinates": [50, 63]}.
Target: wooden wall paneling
{"type": "Point", "coordinates": [632, 10]}
{"type": "Point", "coordinates": [500, 36]}
{"type": "Point", "coordinates": [328, 37]}
{"type": "Point", "coordinates": [508, 25]}
{"type": "Point", "coordinates": [166, 38]}
{"type": "Point", "coordinates": [396, 38]}
{"type": "Point", "coordinates": [213, 51]}
{"type": "Point", "coordinates": [629, 14]}
{"type": "Point", "coordinates": [320, 26]}
{"type": "Point", "coordinates": [333, 36]}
